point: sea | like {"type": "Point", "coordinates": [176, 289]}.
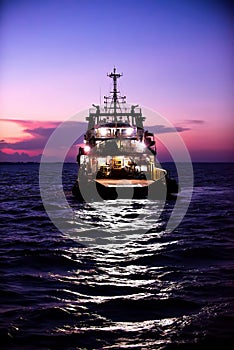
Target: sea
{"type": "Point", "coordinates": [133, 283]}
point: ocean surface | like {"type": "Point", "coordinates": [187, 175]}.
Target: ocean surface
{"type": "Point", "coordinates": [138, 286]}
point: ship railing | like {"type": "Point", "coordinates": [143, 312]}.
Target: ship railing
{"type": "Point", "coordinates": [110, 110]}
{"type": "Point", "coordinates": [128, 151]}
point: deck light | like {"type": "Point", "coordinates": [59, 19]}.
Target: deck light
{"type": "Point", "coordinates": [86, 149]}
{"type": "Point", "coordinates": [103, 131]}
{"type": "Point", "coordinates": [129, 131]}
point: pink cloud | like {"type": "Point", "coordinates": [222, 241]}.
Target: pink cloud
{"type": "Point", "coordinates": [31, 145]}
{"type": "Point", "coordinates": [204, 141]}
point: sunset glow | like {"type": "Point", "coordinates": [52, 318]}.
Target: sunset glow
{"type": "Point", "coordinates": [175, 57]}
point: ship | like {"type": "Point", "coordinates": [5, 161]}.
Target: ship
{"type": "Point", "coordinates": [118, 157]}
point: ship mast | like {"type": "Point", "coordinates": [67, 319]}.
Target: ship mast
{"type": "Point", "coordinates": [115, 98]}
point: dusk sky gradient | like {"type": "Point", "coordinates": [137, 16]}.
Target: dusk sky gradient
{"type": "Point", "coordinates": [176, 56]}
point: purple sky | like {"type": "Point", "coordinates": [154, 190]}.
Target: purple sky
{"type": "Point", "coordinates": [176, 57]}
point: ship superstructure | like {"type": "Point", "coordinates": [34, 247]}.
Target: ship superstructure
{"type": "Point", "coordinates": [118, 152]}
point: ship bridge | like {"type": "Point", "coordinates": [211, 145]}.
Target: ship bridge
{"type": "Point", "coordinates": [115, 118]}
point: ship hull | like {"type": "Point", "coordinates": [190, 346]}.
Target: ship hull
{"type": "Point", "coordinates": [112, 189]}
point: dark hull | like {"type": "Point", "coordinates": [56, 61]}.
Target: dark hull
{"type": "Point", "coordinates": [94, 191]}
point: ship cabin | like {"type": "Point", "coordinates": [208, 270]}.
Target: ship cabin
{"type": "Point", "coordinates": [116, 128]}
{"type": "Point", "coordinates": [105, 124]}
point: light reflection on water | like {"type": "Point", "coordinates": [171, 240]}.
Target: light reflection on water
{"type": "Point", "coordinates": [123, 296]}
{"type": "Point", "coordinates": [115, 222]}
{"type": "Point", "coordinates": [154, 289]}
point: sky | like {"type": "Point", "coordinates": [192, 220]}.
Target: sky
{"type": "Point", "coordinates": [176, 57]}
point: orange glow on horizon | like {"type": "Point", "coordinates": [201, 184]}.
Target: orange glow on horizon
{"type": "Point", "coordinates": [12, 132]}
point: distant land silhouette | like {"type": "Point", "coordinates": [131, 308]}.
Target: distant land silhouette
{"type": "Point", "coordinates": [19, 157]}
